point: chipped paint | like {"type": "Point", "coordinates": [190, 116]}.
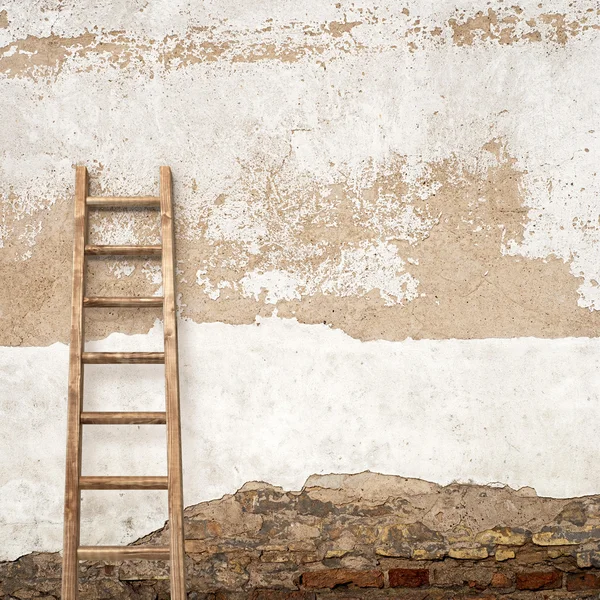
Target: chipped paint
{"type": "Point", "coordinates": [306, 180]}
{"type": "Point", "coordinates": [292, 40]}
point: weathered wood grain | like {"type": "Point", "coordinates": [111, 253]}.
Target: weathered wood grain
{"type": "Point", "coordinates": [95, 250]}
{"type": "Point", "coordinates": [123, 482]}
{"type": "Point", "coordinates": [178, 591]}
{"type": "Point", "coordinates": [123, 552]}
{"type": "Point", "coordinates": [123, 418]}
{"type": "Point", "coordinates": [123, 358]}
{"type": "Point", "coordinates": [123, 201]}
{"type": "Point", "coordinates": [75, 396]}
{"type": "Point", "coordinates": [122, 301]}
{"type": "Point", "coordinates": [76, 417]}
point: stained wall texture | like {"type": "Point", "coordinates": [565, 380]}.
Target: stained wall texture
{"type": "Point", "coordinates": [394, 171]}
{"type": "Point", "coordinates": [387, 243]}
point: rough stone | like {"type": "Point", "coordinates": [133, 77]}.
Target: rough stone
{"type": "Point", "coordinates": [583, 560]}
{"type": "Point", "coordinates": [505, 536]}
{"type": "Point", "coordinates": [501, 580]}
{"type": "Point", "coordinates": [434, 554]}
{"type": "Point", "coordinates": [468, 553]}
{"type": "Point", "coordinates": [503, 554]}
{"type": "Point", "coordinates": [338, 553]}
{"type": "Point", "coordinates": [338, 548]}
{"type": "Point", "coordinates": [558, 551]}
{"type": "Point", "coordinates": [560, 536]}
{"type": "Point", "coordinates": [400, 540]}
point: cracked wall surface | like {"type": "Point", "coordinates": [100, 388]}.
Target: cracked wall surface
{"type": "Point", "coordinates": [387, 227]}
{"type": "Point", "coordinates": [393, 171]}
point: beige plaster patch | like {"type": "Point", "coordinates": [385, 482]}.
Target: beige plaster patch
{"type": "Point", "coordinates": [29, 55]}
{"type": "Point", "coordinates": [512, 28]}
{"type": "Point", "coordinates": [389, 258]}
{"type": "Point", "coordinates": [35, 306]}
{"type": "Point", "coordinates": [467, 287]}
{"type": "Point", "coordinates": [510, 25]}
{"type": "Point", "coordinates": [35, 56]}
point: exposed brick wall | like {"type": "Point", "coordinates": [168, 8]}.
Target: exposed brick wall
{"type": "Point", "coordinates": [38, 576]}
{"type": "Point", "coordinates": [377, 538]}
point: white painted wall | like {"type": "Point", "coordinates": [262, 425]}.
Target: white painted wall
{"type": "Point", "coordinates": [278, 401]}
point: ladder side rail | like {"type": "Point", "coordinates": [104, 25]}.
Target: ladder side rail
{"type": "Point", "coordinates": [75, 396]}
{"type": "Point", "coordinates": [174, 463]}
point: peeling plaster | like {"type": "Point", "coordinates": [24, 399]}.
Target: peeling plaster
{"type": "Point", "coordinates": [324, 179]}
{"type": "Point", "coordinates": [287, 40]}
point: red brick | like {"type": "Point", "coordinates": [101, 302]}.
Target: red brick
{"type": "Point", "coordinates": [469, 596]}
{"type": "Point", "coordinates": [330, 578]}
{"type": "Point", "coordinates": [410, 578]}
{"type": "Point", "coordinates": [476, 585]}
{"type": "Point", "coordinates": [582, 581]}
{"type": "Point", "coordinates": [282, 595]}
{"type": "Point", "coordinates": [539, 580]}
{"type": "Point", "coordinates": [500, 580]}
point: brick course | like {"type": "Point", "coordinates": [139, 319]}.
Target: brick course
{"type": "Point", "coordinates": [331, 578]}
{"type": "Point", "coordinates": [583, 581]}
{"type": "Point", "coordinates": [551, 580]}
{"type": "Point", "coordinates": [410, 578]}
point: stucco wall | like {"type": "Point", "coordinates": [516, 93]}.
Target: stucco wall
{"type": "Point", "coordinates": [350, 178]}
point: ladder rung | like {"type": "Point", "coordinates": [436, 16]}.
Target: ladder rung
{"type": "Point", "coordinates": [123, 552]}
{"type": "Point", "coordinates": [105, 358]}
{"type": "Point", "coordinates": [123, 483]}
{"type": "Point", "coordinates": [105, 302]}
{"type": "Point", "coordinates": [124, 418]}
{"type": "Point", "coordinates": [122, 201]}
{"type": "Point", "coordinates": [123, 250]}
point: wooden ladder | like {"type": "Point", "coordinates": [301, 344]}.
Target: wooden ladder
{"type": "Point", "coordinates": [75, 482]}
